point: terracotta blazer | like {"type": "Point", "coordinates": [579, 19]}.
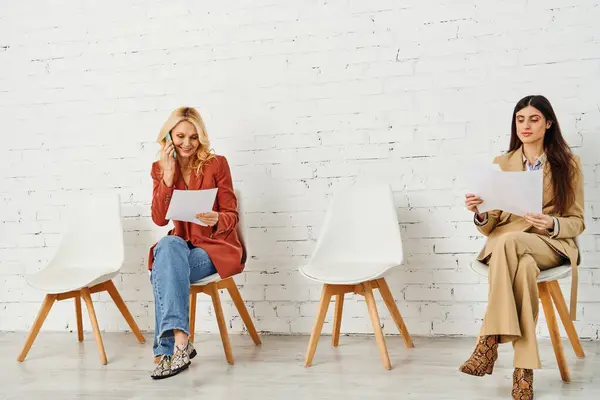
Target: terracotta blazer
{"type": "Point", "coordinates": [570, 223]}
{"type": "Point", "coordinates": [221, 242]}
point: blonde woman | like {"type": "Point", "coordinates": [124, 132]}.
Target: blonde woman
{"type": "Point", "coordinates": [190, 252]}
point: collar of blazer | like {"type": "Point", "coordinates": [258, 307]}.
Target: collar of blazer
{"type": "Point", "coordinates": [512, 161]}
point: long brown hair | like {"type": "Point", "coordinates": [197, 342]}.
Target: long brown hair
{"type": "Point", "coordinates": [558, 152]}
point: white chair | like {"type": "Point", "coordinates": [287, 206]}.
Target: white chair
{"type": "Point", "coordinates": [211, 286]}
{"type": "Point", "coordinates": [549, 291]}
{"type": "Point", "coordinates": [90, 254]}
{"type": "Point", "coordinates": [360, 241]}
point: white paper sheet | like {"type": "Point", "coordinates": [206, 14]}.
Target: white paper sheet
{"type": "Point", "coordinates": [185, 204]}
{"type": "Point", "coordinates": [514, 192]}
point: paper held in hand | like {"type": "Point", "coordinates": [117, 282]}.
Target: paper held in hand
{"type": "Point", "coordinates": [185, 204]}
{"type": "Point", "coordinates": [514, 192]}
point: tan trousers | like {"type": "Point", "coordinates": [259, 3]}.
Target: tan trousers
{"type": "Point", "coordinates": [513, 301]}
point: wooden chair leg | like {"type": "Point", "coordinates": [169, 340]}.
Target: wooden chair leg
{"type": "Point", "coordinates": [234, 292]}
{"type": "Point", "coordinates": [337, 320]}
{"type": "Point", "coordinates": [386, 293]}
{"type": "Point", "coordinates": [87, 297]}
{"type": "Point", "coordinates": [216, 300]}
{"type": "Point", "coordinates": [563, 312]}
{"type": "Point", "coordinates": [79, 318]}
{"type": "Point", "coordinates": [114, 294]}
{"type": "Point", "coordinates": [376, 325]}
{"type": "Point", "coordinates": [316, 332]}
{"type": "Point", "coordinates": [193, 301]}
{"type": "Point", "coordinates": [37, 324]}
{"type": "Point", "coordinates": [554, 332]}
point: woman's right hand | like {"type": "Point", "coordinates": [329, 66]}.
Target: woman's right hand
{"type": "Point", "coordinates": [472, 201]}
{"type": "Point", "coordinates": [168, 164]}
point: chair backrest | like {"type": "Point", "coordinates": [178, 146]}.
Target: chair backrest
{"type": "Point", "coordinates": [361, 226]}
{"type": "Point", "coordinates": [240, 228]}
{"type": "Point", "coordinates": [94, 234]}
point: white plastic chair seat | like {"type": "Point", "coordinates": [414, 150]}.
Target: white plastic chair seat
{"type": "Point", "coordinates": [352, 250]}
{"type": "Point", "coordinates": [61, 280]}
{"type": "Point", "coordinates": [209, 279]}
{"type": "Point", "coordinates": [551, 274]}
{"type": "Point", "coordinates": [345, 273]}
{"type": "Point", "coordinates": [91, 250]}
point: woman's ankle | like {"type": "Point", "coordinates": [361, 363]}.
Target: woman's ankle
{"type": "Point", "coordinates": [181, 338]}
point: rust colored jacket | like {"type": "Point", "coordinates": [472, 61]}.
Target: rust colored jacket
{"type": "Point", "coordinates": [221, 241]}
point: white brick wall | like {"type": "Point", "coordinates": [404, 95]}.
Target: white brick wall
{"type": "Point", "coordinates": [302, 97]}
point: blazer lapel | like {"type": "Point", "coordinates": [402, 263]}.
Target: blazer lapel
{"type": "Point", "coordinates": [514, 162]}
{"type": "Point", "coordinates": [196, 180]}
{"type": "Point", "coordinates": [548, 194]}
{"type": "Point", "coordinates": [179, 182]}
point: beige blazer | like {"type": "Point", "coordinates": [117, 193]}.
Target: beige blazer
{"type": "Point", "coordinates": [571, 223]}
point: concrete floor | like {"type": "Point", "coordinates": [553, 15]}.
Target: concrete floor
{"type": "Point", "coordinates": [58, 367]}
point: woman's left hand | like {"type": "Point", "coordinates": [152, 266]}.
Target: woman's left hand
{"type": "Point", "coordinates": [209, 218]}
{"type": "Point", "coordinates": [540, 221]}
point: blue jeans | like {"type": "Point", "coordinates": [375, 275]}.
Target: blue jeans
{"type": "Point", "coordinates": [176, 265]}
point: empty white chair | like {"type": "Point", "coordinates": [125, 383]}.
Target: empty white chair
{"type": "Point", "coordinates": [549, 291]}
{"type": "Point", "coordinates": [211, 286]}
{"type": "Point", "coordinates": [360, 241]}
{"type": "Point", "coordinates": [90, 254]}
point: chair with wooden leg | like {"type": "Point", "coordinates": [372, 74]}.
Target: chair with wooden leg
{"type": "Point", "coordinates": [551, 296]}
{"type": "Point", "coordinates": [211, 286]}
{"type": "Point", "coordinates": [89, 256]}
{"type": "Point", "coordinates": [359, 243]}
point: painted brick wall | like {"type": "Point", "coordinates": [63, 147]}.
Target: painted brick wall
{"type": "Point", "coordinates": [302, 97]}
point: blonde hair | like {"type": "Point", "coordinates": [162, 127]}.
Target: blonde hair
{"type": "Point", "coordinates": [190, 114]}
